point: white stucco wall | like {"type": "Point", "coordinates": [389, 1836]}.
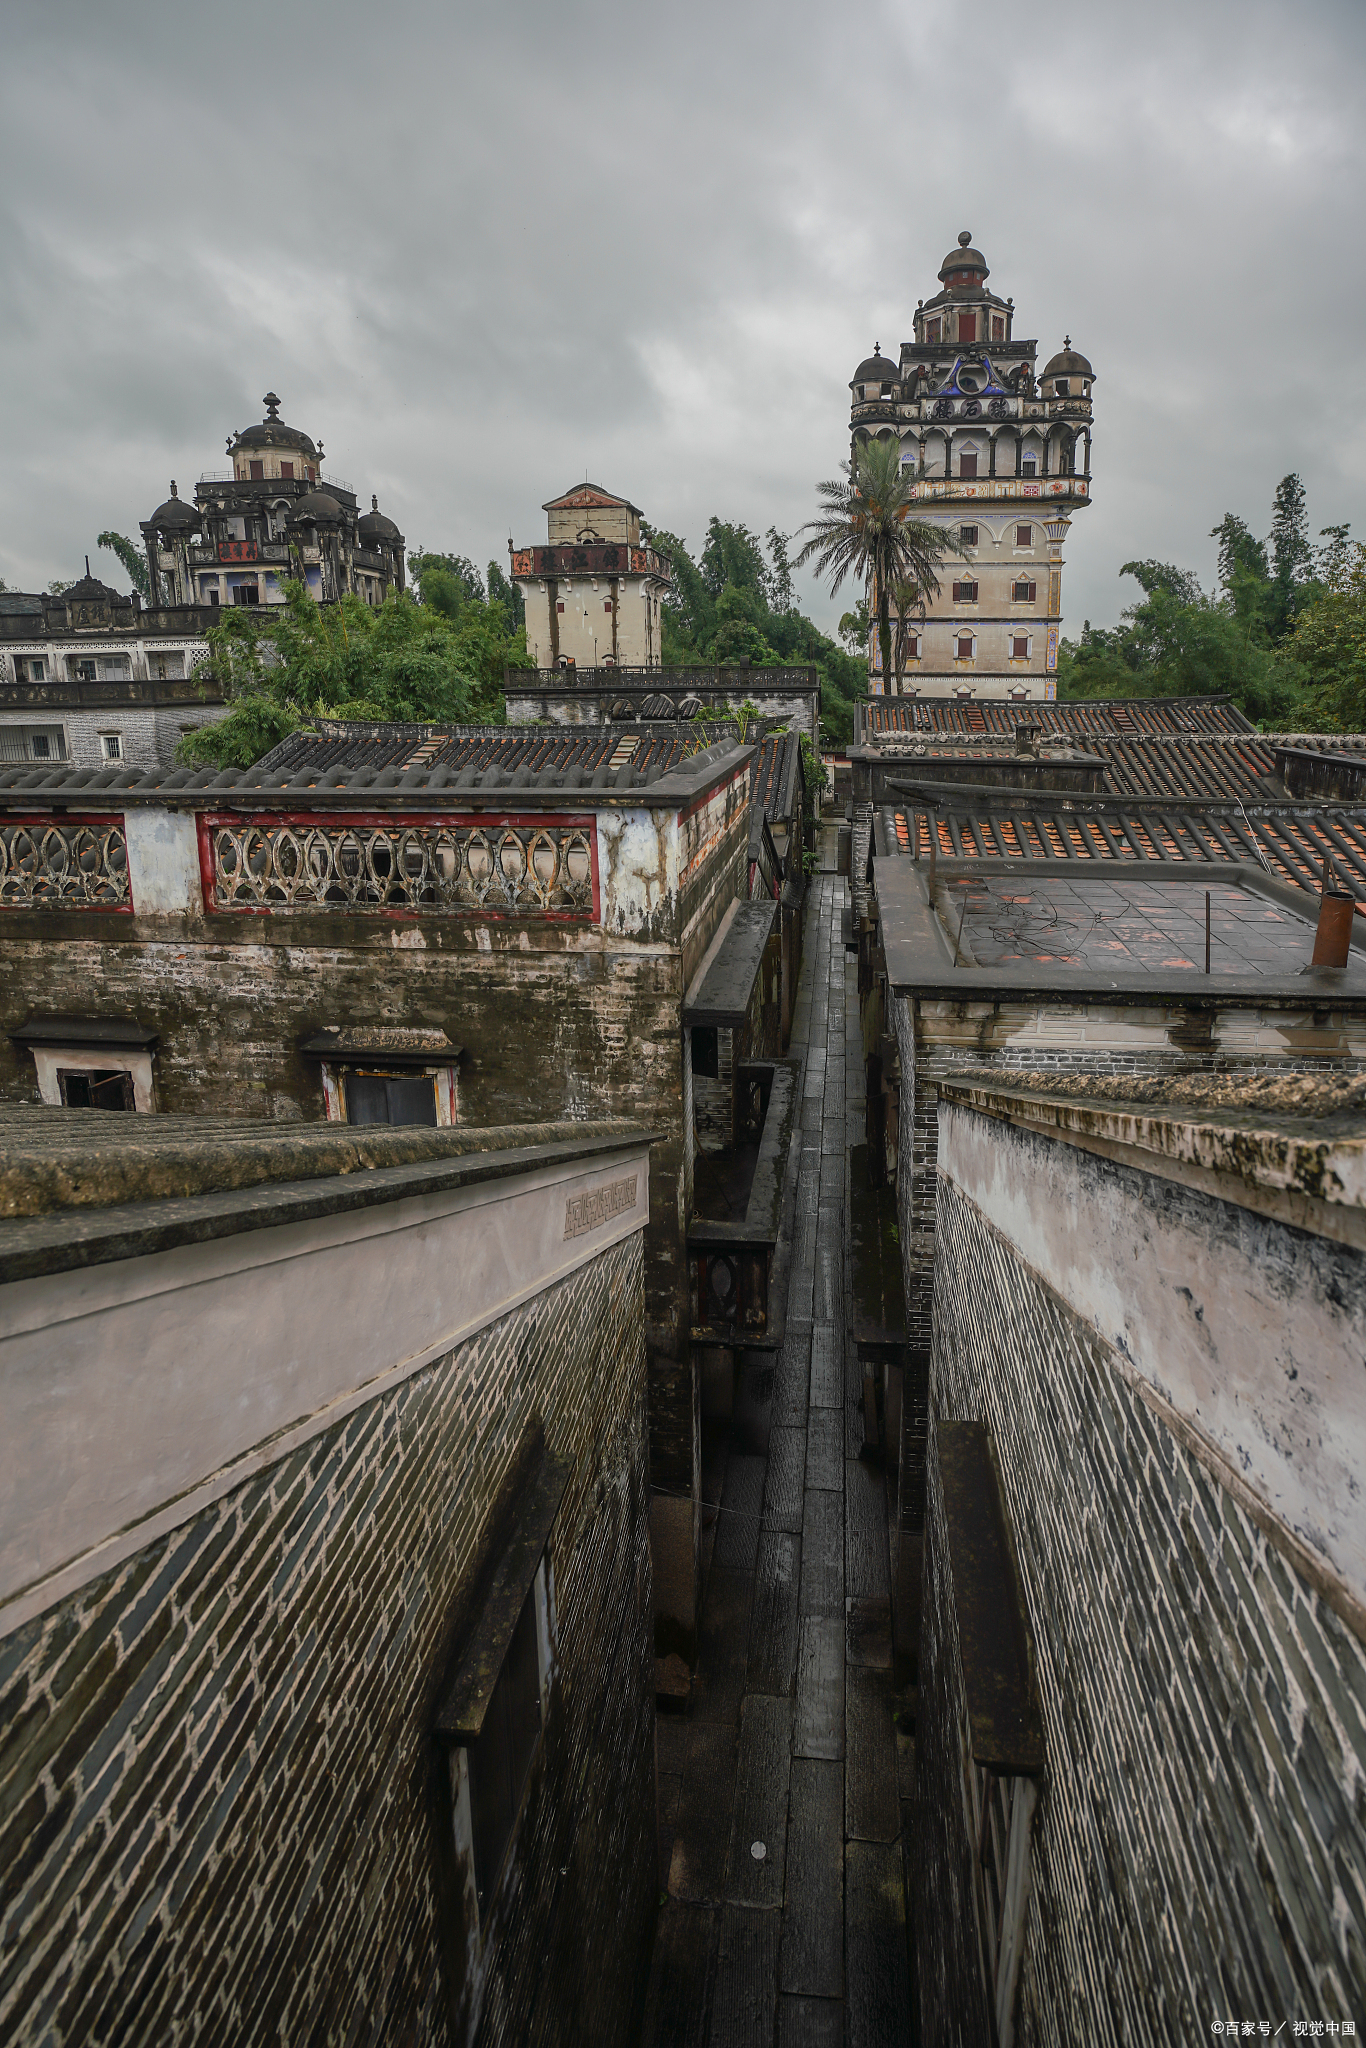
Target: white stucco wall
{"type": "Point", "coordinates": [1253, 1332]}
{"type": "Point", "coordinates": [137, 1391]}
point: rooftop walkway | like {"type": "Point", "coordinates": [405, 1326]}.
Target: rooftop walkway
{"type": "Point", "coordinates": [784, 1786]}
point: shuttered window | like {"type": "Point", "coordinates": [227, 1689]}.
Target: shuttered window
{"type": "Point", "coordinates": [967, 462]}
{"type": "Point", "coordinates": [1023, 593]}
{"type": "Point", "coordinates": [965, 593]}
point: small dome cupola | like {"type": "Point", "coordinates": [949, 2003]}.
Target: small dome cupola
{"type": "Point", "coordinates": [315, 508]}
{"type": "Point", "coordinates": [274, 449]}
{"type": "Point", "coordinates": [873, 372]}
{"type": "Point", "coordinates": [375, 529]}
{"type": "Point", "coordinates": [175, 517]}
{"type": "Point", "coordinates": [1067, 374]}
{"type": "Point", "coordinates": [964, 268]}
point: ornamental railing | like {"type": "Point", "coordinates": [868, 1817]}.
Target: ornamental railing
{"type": "Point", "coordinates": [64, 864]}
{"type": "Point", "coordinates": [372, 866]}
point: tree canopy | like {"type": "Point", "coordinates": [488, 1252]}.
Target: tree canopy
{"type": "Point", "coordinates": [866, 528]}
{"type": "Point", "coordinates": [131, 556]}
{"type": "Point", "coordinates": [438, 658]}
{"type": "Point", "coordinates": [736, 603]}
{"type": "Point", "coordinates": [1279, 633]}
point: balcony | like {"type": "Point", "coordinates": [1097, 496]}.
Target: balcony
{"type": "Point", "coordinates": [734, 1228]}
{"type": "Point", "coordinates": [598, 558]}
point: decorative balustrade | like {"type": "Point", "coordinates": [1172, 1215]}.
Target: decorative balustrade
{"type": "Point", "coordinates": [377, 866]}
{"type": "Point", "coordinates": [64, 864]}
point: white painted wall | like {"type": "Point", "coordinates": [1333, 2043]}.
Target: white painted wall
{"type": "Point", "coordinates": [137, 1391]}
{"type": "Point", "coordinates": [1252, 1340]}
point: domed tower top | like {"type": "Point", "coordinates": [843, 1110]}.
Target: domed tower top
{"type": "Point", "coordinates": [964, 267]}
{"type": "Point", "coordinates": [274, 449]}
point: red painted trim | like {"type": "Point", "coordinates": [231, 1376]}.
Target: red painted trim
{"type": "Point", "coordinates": [489, 822]}
{"type": "Point", "coordinates": [723, 783]}
{"type": "Point", "coordinates": [79, 818]}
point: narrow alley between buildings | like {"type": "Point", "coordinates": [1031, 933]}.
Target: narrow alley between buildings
{"type": "Point", "coordinates": [786, 1786]}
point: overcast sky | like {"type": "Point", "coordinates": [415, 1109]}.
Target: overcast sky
{"type": "Point", "coordinates": [482, 251]}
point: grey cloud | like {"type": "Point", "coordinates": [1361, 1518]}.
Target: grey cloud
{"type": "Point", "coordinates": [481, 251]}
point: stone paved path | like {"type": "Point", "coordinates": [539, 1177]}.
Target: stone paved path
{"type": "Point", "coordinates": [789, 1740]}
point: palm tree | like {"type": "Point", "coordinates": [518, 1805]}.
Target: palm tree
{"type": "Point", "coordinates": [865, 526]}
{"type": "Point", "coordinates": [908, 602]}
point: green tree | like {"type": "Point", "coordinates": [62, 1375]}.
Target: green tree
{"type": "Point", "coordinates": [503, 591]}
{"type": "Point", "coordinates": [750, 619]}
{"type": "Point", "coordinates": [782, 597]}
{"type": "Point", "coordinates": [1330, 637]}
{"type": "Point", "coordinates": [131, 556]}
{"type": "Point", "coordinates": [733, 555]}
{"type": "Point", "coordinates": [866, 528]}
{"type": "Point", "coordinates": [1179, 641]}
{"type": "Point", "coordinates": [402, 660]}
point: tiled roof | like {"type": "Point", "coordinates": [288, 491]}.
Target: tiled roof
{"type": "Point", "coordinates": [772, 789]}
{"type": "Point", "coordinates": [524, 750]}
{"type": "Point", "coordinates": [1083, 717]}
{"type": "Point", "coordinates": [399, 762]}
{"type": "Point", "coordinates": [1289, 840]}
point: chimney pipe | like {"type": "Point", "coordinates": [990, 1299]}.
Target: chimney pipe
{"type": "Point", "coordinates": [1024, 738]}
{"type": "Point", "coordinates": [1333, 939]}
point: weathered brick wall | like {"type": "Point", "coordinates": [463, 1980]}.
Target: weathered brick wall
{"type": "Point", "coordinates": [549, 1031]}
{"type": "Point", "coordinates": [953, 2003]}
{"type": "Point", "coordinates": [1200, 1851]}
{"type": "Point", "coordinates": [217, 1792]}
{"type": "Point", "coordinates": [924, 1063]}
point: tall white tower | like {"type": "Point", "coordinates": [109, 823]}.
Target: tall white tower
{"type": "Point", "coordinates": [1002, 458]}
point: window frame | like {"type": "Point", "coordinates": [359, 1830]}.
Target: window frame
{"type": "Point", "coordinates": [111, 747]}
{"type": "Point", "coordinates": [967, 536]}
{"type": "Point", "coordinates": [522, 1576]}
{"type": "Point", "coordinates": [1024, 591]}
{"type": "Point", "coordinates": [1024, 536]}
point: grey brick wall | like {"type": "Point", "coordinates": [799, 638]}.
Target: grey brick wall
{"type": "Point", "coordinates": [1200, 1848]}
{"type": "Point", "coordinates": [217, 1792]}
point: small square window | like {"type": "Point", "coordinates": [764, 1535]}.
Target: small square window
{"type": "Point", "coordinates": [1019, 648]}
{"type": "Point", "coordinates": [967, 463]}
{"type": "Point", "coordinates": [559, 604]}
{"type": "Point", "coordinates": [389, 1098]}
{"type": "Point", "coordinates": [1024, 536]}
{"type": "Point", "coordinates": [37, 669]}
{"type": "Point", "coordinates": [965, 593]}
{"type": "Point", "coordinates": [40, 747]}
{"type": "Point", "coordinates": [287, 471]}
{"type": "Point", "coordinates": [965, 646]}
{"type": "Point", "coordinates": [1029, 467]}
{"type": "Point", "coordinates": [967, 536]}
{"type": "Point", "coordinates": [95, 1088]}
{"type": "Point", "coordinates": [258, 471]}
{"type": "Point", "coordinates": [967, 327]}
{"type": "Point", "coordinates": [111, 746]}
{"type": "Point", "coordinates": [1022, 593]}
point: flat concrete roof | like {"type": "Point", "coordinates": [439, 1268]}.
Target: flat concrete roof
{"type": "Point", "coordinates": [1136, 933]}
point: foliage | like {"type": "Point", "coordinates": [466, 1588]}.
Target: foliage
{"type": "Point", "coordinates": [855, 626]}
{"type": "Point", "coordinates": [1330, 638]}
{"type": "Point", "coordinates": [503, 591]}
{"type": "Point", "coordinates": [866, 528]}
{"type": "Point", "coordinates": [59, 584]}
{"type": "Point", "coordinates": [402, 661]}
{"type": "Point", "coordinates": [1277, 633]}
{"type": "Point", "coordinates": [737, 605]}
{"type": "Point", "coordinates": [131, 556]}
